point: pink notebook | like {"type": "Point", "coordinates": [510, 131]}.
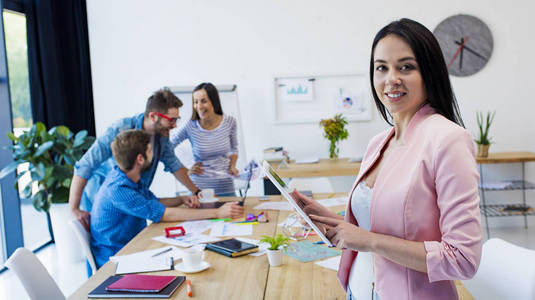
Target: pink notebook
{"type": "Point", "coordinates": [141, 283]}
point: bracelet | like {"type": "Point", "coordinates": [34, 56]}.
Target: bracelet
{"type": "Point", "coordinates": [197, 192]}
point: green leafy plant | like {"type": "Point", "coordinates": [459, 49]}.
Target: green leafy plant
{"type": "Point", "coordinates": [335, 131]}
{"type": "Point", "coordinates": [275, 241]}
{"type": "Point", "coordinates": [484, 124]}
{"type": "Point", "coordinates": [51, 156]}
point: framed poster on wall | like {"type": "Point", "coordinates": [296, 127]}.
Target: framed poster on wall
{"type": "Point", "coordinates": [308, 99]}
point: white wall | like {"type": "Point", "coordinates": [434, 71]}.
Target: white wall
{"type": "Point", "coordinates": [138, 46]}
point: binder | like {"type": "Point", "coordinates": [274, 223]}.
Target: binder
{"type": "Point", "coordinates": [101, 292]}
{"type": "Point", "coordinates": [232, 247]}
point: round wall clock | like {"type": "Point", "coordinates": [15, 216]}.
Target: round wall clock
{"type": "Point", "coordinates": [466, 43]}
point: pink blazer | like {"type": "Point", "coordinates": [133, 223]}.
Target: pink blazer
{"type": "Point", "coordinates": [427, 190]}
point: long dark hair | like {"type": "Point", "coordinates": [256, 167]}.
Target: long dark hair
{"type": "Point", "coordinates": [213, 95]}
{"type": "Point", "coordinates": [433, 68]}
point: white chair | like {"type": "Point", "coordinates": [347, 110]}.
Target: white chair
{"type": "Point", "coordinates": [506, 271]}
{"type": "Point", "coordinates": [316, 185]}
{"type": "Point", "coordinates": [34, 277]}
{"type": "Point", "coordinates": [84, 238]}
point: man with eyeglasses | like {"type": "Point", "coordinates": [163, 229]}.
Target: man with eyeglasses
{"type": "Point", "coordinates": [161, 115]}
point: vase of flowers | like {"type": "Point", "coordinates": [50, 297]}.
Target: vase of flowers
{"type": "Point", "coordinates": [334, 130]}
{"type": "Point", "coordinates": [483, 141]}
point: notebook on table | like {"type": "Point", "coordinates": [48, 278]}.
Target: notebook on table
{"type": "Point", "coordinates": [232, 247]}
{"type": "Point", "coordinates": [141, 287]}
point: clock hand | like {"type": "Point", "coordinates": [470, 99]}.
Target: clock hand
{"type": "Point", "coordinates": [472, 51]}
{"type": "Point", "coordinates": [461, 57]}
{"type": "Point", "coordinates": [458, 51]}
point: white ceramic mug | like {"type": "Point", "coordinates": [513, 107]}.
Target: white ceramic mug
{"type": "Point", "coordinates": [207, 194]}
{"type": "Point", "coordinates": [192, 257]}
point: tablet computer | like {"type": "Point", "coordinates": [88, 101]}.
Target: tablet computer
{"type": "Point", "coordinates": [283, 188]}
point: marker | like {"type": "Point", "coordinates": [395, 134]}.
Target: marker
{"type": "Point", "coordinates": [319, 243]}
{"type": "Point", "coordinates": [217, 220]}
{"type": "Point", "coordinates": [331, 195]}
{"type": "Point", "coordinates": [188, 288]}
{"type": "Point", "coordinates": [247, 223]}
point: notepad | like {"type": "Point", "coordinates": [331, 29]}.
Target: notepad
{"type": "Point", "coordinates": [133, 264]}
{"type": "Point", "coordinates": [166, 292]}
{"type": "Point", "coordinates": [232, 247]}
{"type": "Point", "coordinates": [140, 283]}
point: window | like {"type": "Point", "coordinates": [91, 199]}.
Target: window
{"type": "Point", "coordinates": [34, 223]}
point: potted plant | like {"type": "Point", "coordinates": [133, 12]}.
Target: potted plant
{"type": "Point", "coordinates": [50, 156]}
{"type": "Point", "coordinates": [276, 244]}
{"type": "Point", "coordinates": [483, 141]}
{"type": "Point", "coordinates": [335, 131]}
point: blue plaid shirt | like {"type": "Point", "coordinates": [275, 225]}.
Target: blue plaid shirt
{"type": "Point", "coordinates": [119, 213]}
{"type": "Point", "coordinates": [98, 161]}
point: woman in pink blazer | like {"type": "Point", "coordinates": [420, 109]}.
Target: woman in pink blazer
{"type": "Point", "coordinates": [424, 220]}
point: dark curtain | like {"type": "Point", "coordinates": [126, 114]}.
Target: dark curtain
{"type": "Point", "coordinates": [59, 64]}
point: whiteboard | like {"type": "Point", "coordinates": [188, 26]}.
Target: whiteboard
{"type": "Point", "coordinates": [228, 95]}
{"type": "Point", "coordinates": [308, 99]}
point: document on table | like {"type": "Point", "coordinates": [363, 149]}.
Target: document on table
{"type": "Point", "coordinates": [199, 226]}
{"type": "Point", "coordinates": [229, 229]}
{"type": "Point", "coordinates": [174, 252]}
{"type": "Point", "coordinates": [188, 240]}
{"type": "Point", "coordinates": [274, 206]}
{"type": "Point", "coordinates": [330, 263]}
{"type": "Point", "coordinates": [333, 201]}
{"type": "Point", "coordinates": [145, 261]}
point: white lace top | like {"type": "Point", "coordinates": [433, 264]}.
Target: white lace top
{"type": "Point", "coordinates": [361, 276]}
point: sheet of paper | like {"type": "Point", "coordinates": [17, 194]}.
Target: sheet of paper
{"type": "Point", "coordinates": [274, 206]}
{"type": "Point", "coordinates": [229, 229]}
{"type": "Point", "coordinates": [333, 201]}
{"type": "Point", "coordinates": [330, 263]}
{"type": "Point", "coordinates": [175, 253]}
{"type": "Point", "coordinates": [199, 226]}
{"type": "Point", "coordinates": [135, 265]}
{"type": "Point", "coordinates": [187, 240]}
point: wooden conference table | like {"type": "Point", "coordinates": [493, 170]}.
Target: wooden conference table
{"type": "Point", "coordinates": [245, 277]}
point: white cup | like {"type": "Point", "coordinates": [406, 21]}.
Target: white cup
{"type": "Point", "coordinates": [207, 194]}
{"type": "Point", "coordinates": [192, 257]}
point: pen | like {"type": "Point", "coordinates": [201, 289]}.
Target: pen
{"type": "Point", "coordinates": [217, 220]}
{"type": "Point", "coordinates": [319, 243]}
{"type": "Point", "coordinates": [188, 288]}
{"type": "Point", "coordinates": [331, 195]}
{"type": "Point", "coordinates": [162, 252]}
{"type": "Point", "coordinates": [247, 223]}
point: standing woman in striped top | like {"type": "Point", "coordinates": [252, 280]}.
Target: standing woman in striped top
{"type": "Point", "coordinates": [214, 142]}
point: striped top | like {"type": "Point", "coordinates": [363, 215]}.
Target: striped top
{"type": "Point", "coordinates": [212, 148]}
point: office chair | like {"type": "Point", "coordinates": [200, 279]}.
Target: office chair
{"type": "Point", "coordinates": [33, 275]}
{"type": "Point", "coordinates": [84, 238]}
{"type": "Point", "coordinates": [316, 185]}
{"type": "Point", "coordinates": [506, 271]}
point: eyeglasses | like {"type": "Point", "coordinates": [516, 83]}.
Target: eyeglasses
{"type": "Point", "coordinates": [171, 120]}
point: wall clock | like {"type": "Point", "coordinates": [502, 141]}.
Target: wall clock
{"type": "Point", "coordinates": [466, 43]}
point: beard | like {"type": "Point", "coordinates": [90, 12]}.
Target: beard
{"type": "Point", "coordinates": [145, 167]}
{"type": "Point", "coordinates": [161, 130]}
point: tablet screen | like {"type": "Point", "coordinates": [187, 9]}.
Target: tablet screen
{"type": "Point", "coordinates": [281, 186]}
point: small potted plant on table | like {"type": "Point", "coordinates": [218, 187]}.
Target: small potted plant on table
{"type": "Point", "coordinates": [483, 141]}
{"type": "Point", "coordinates": [276, 244]}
